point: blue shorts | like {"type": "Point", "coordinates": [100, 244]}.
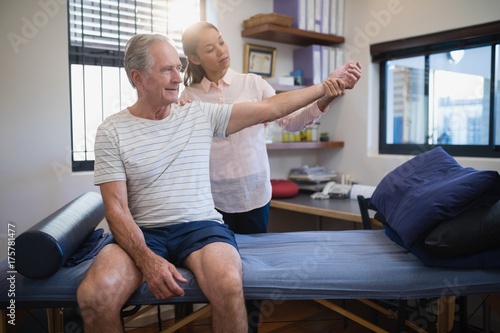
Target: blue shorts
{"type": "Point", "coordinates": [176, 242]}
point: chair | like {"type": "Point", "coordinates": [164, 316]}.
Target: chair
{"type": "Point", "coordinates": [364, 207]}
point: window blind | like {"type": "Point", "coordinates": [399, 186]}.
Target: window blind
{"type": "Point", "coordinates": [107, 25]}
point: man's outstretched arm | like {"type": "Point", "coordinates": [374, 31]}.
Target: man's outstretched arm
{"type": "Point", "coordinates": [252, 113]}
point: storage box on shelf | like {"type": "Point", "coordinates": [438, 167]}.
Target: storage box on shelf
{"type": "Point", "coordinates": [272, 18]}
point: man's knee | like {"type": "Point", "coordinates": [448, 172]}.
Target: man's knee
{"type": "Point", "coordinates": [104, 290]}
{"type": "Point", "coordinates": [231, 284]}
{"type": "Point", "coordinates": [86, 297]}
{"type": "Point", "coordinates": [111, 279]}
{"type": "Point", "coordinates": [94, 295]}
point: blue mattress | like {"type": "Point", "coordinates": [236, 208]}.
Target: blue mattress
{"type": "Point", "coordinates": [349, 264]}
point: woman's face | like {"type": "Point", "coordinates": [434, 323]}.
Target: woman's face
{"type": "Point", "coordinates": [212, 52]}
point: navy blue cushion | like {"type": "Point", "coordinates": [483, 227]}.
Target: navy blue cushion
{"type": "Point", "coordinates": [487, 258]}
{"type": "Point", "coordinates": [472, 231]}
{"type": "Point", "coordinates": [430, 188]}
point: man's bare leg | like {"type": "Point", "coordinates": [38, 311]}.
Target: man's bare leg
{"type": "Point", "coordinates": [109, 282]}
{"type": "Point", "coordinates": [218, 270]}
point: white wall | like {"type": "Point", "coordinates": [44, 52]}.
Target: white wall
{"type": "Point", "coordinates": [35, 177]}
{"type": "Point", "coordinates": [35, 172]}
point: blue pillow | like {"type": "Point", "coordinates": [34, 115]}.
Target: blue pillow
{"type": "Point", "coordinates": [473, 231]}
{"type": "Point", "coordinates": [487, 258]}
{"type": "Point", "coordinates": [430, 188]}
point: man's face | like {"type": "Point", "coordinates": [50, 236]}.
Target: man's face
{"type": "Point", "coordinates": [161, 84]}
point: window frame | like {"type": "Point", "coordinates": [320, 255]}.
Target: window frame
{"type": "Point", "coordinates": [487, 34]}
{"type": "Point", "coordinates": [87, 55]}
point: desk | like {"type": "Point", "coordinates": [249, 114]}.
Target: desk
{"type": "Point", "coordinates": [342, 209]}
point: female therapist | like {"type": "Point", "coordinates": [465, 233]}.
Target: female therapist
{"type": "Point", "coordinates": [239, 165]}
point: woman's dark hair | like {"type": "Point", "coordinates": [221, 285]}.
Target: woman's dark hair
{"type": "Point", "coordinates": [194, 73]}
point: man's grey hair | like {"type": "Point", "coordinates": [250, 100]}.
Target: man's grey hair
{"type": "Point", "coordinates": [138, 55]}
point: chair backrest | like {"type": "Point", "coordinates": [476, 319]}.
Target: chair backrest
{"type": "Point", "coordinates": [363, 208]}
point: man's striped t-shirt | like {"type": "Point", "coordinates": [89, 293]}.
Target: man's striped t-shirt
{"type": "Point", "coordinates": [164, 162]}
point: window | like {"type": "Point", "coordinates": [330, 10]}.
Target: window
{"type": "Point", "coordinates": [98, 32]}
{"type": "Point", "coordinates": [441, 90]}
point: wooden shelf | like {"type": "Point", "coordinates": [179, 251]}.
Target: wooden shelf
{"type": "Point", "coordinates": [305, 145]}
{"type": "Point", "coordinates": [280, 34]}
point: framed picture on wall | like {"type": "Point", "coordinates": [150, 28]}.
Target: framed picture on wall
{"type": "Point", "coordinates": [259, 60]}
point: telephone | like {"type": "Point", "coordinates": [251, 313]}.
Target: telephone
{"type": "Point", "coordinates": [339, 191]}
